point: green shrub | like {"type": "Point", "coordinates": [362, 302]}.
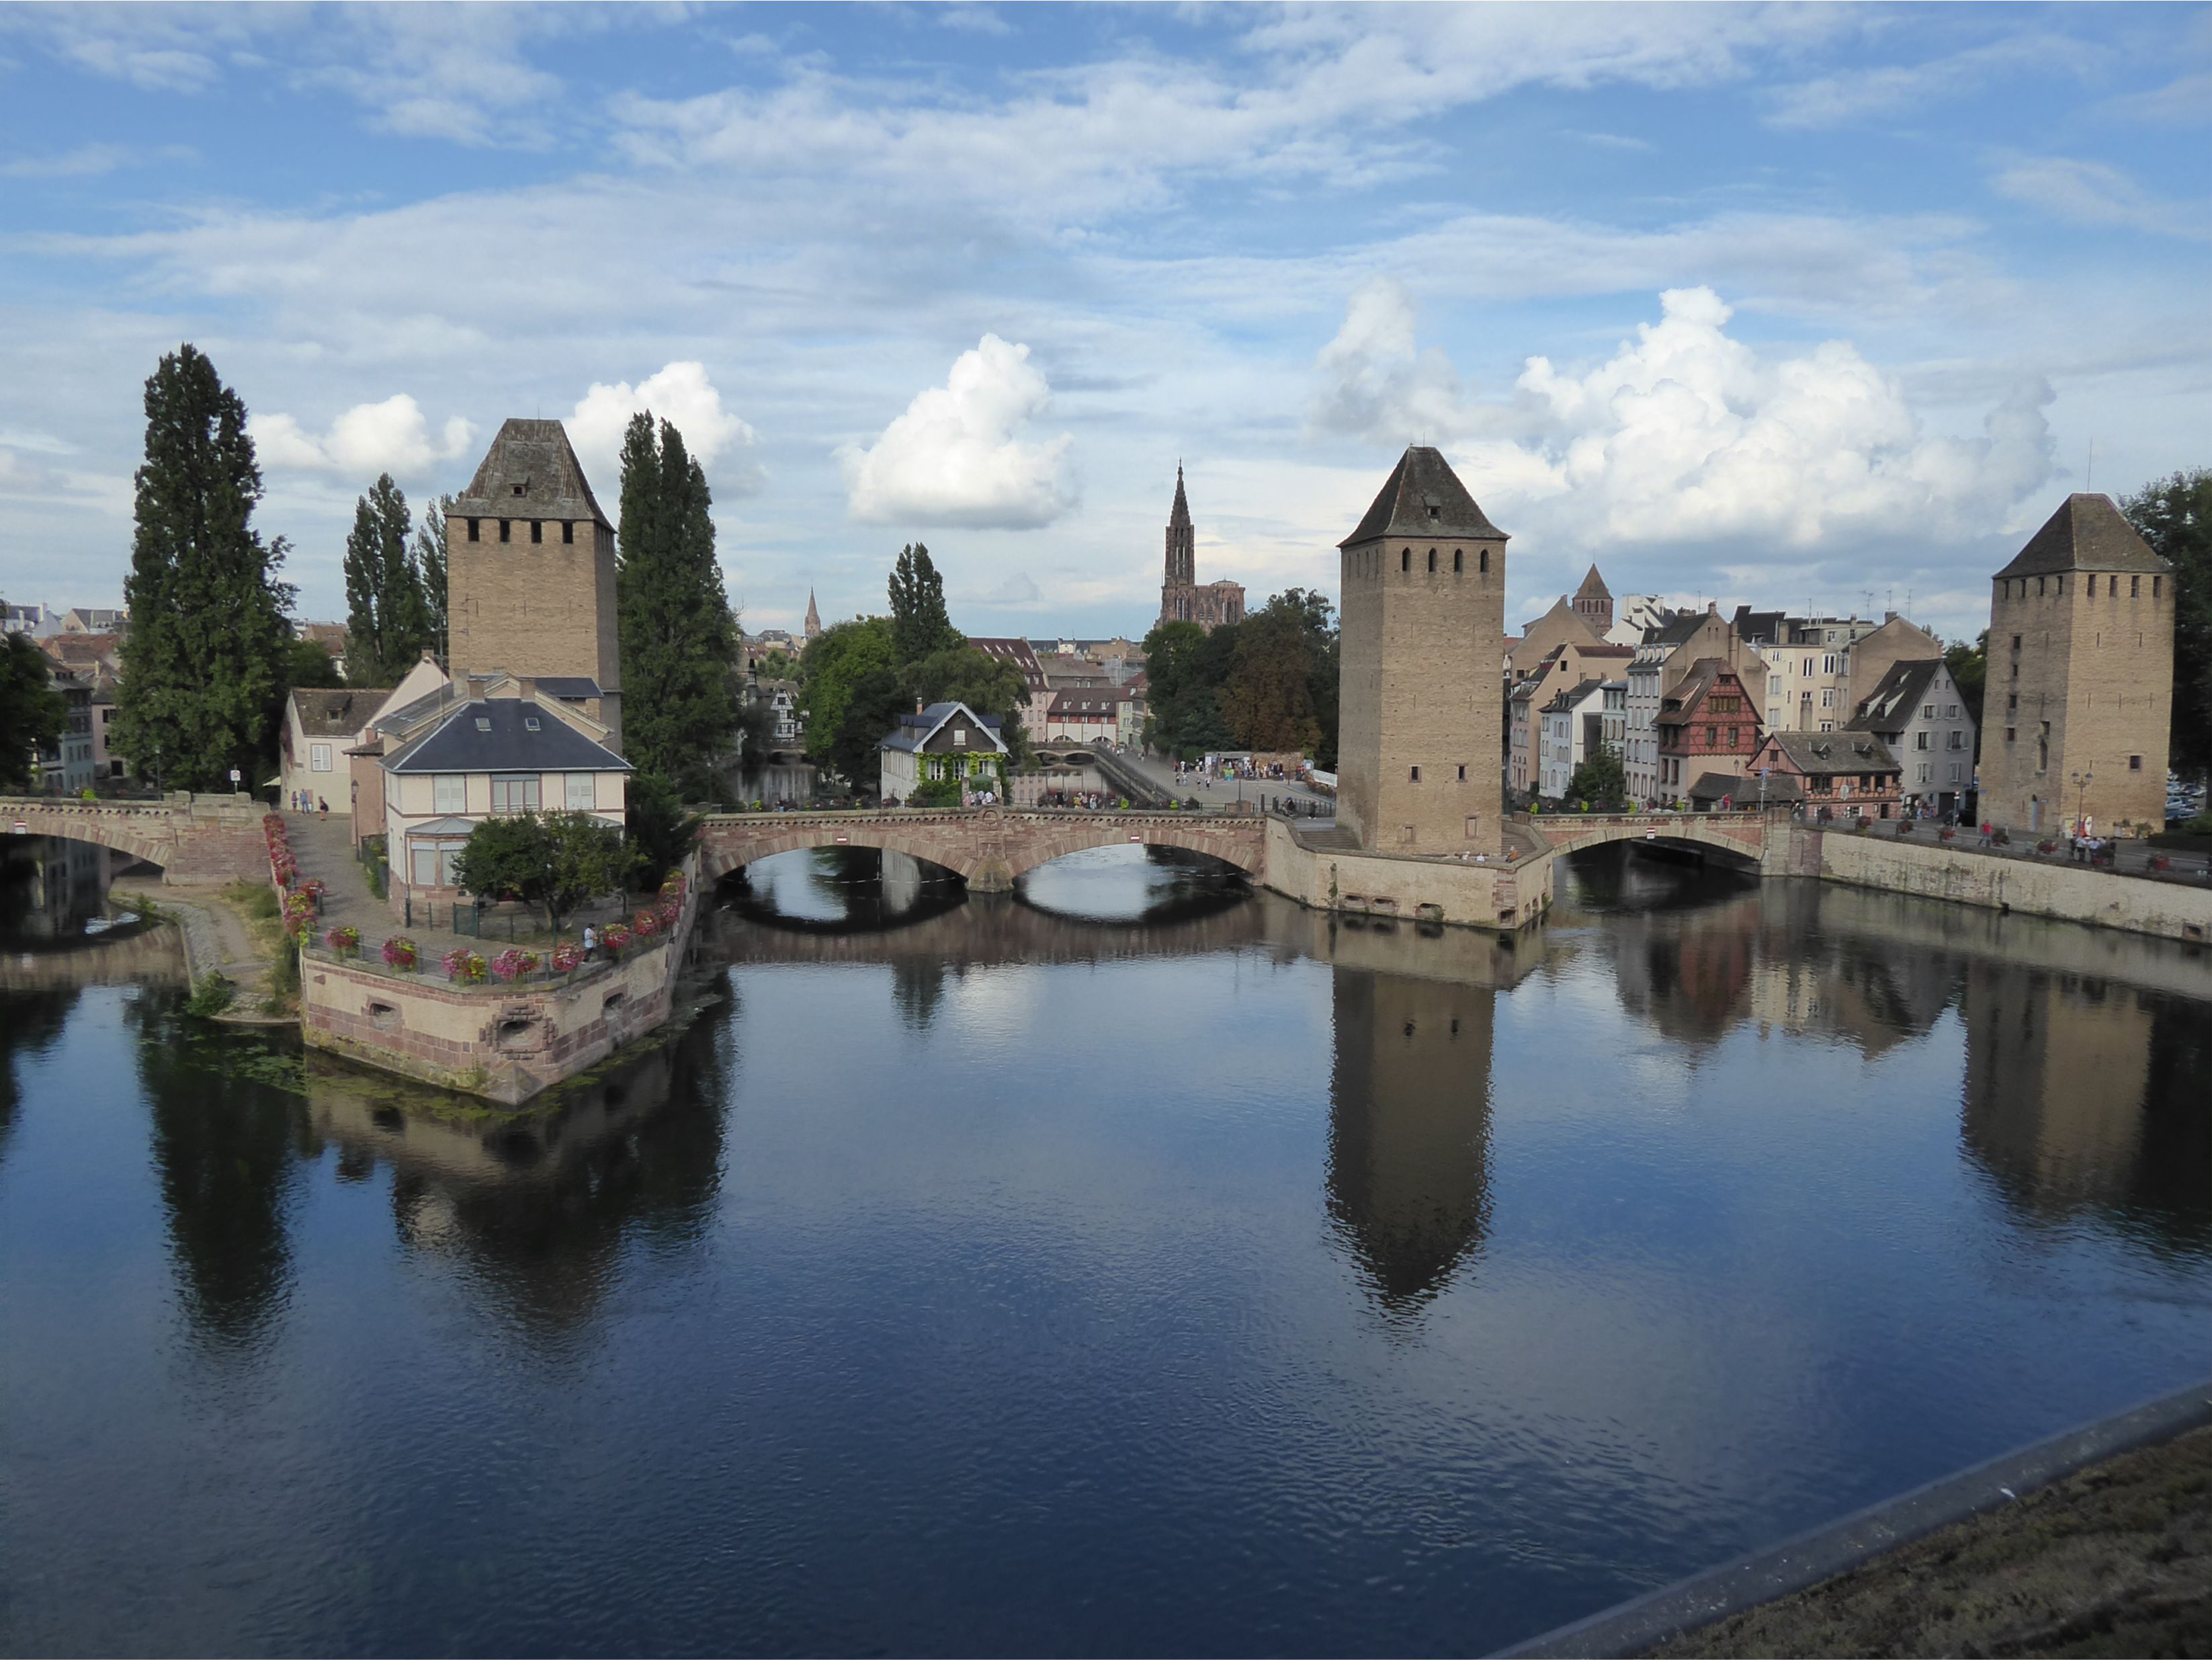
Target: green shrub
{"type": "Point", "coordinates": [258, 900]}
{"type": "Point", "coordinates": [285, 971]}
{"type": "Point", "coordinates": [211, 995]}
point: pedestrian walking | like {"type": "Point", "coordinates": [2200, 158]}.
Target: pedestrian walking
{"type": "Point", "coordinates": [591, 943]}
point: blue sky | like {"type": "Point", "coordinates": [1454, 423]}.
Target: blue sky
{"type": "Point", "coordinates": [1789, 305]}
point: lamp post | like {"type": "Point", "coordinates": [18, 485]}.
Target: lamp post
{"type": "Point", "coordinates": [2081, 781]}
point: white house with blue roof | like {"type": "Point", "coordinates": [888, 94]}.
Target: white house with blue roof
{"type": "Point", "coordinates": [945, 741]}
{"type": "Point", "coordinates": [480, 748]}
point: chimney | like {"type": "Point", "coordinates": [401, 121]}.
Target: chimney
{"type": "Point", "coordinates": [1889, 617]}
{"type": "Point", "coordinates": [917, 702]}
{"type": "Point", "coordinates": [529, 684]}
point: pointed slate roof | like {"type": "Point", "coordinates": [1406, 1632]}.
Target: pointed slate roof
{"type": "Point", "coordinates": [1423, 497]}
{"type": "Point", "coordinates": [1593, 586]}
{"type": "Point", "coordinates": [813, 616]}
{"type": "Point", "coordinates": [530, 472]}
{"type": "Point", "coordinates": [2088, 532]}
{"type": "Point", "coordinates": [1179, 515]}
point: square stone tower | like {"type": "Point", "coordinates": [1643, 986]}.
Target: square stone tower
{"type": "Point", "coordinates": [529, 573]}
{"type": "Point", "coordinates": [1422, 704]}
{"type": "Point", "coordinates": [2076, 709]}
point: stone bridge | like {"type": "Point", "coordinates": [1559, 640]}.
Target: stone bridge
{"type": "Point", "coordinates": [987, 846]}
{"type": "Point", "coordinates": [1740, 837]}
{"type": "Point", "coordinates": [194, 838]}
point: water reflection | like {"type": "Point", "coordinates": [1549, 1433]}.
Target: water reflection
{"type": "Point", "coordinates": [1409, 1128]}
{"type": "Point", "coordinates": [841, 889]}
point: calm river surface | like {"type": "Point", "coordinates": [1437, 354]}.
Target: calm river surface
{"type": "Point", "coordinates": [1142, 1266]}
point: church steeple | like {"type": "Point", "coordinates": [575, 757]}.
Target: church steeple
{"type": "Point", "coordinates": [813, 616]}
{"type": "Point", "coordinates": [1183, 554]}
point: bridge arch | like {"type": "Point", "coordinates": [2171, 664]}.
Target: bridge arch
{"type": "Point", "coordinates": [196, 838]}
{"type": "Point", "coordinates": [987, 848]}
{"type": "Point", "coordinates": [1739, 838]}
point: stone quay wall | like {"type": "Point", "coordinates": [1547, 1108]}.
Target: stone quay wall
{"type": "Point", "coordinates": [2070, 893]}
{"type": "Point", "coordinates": [505, 1042]}
{"type": "Point", "coordinates": [1500, 897]}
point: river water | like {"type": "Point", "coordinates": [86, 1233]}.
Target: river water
{"type": "Point", "coordinates": [1138, 1266]}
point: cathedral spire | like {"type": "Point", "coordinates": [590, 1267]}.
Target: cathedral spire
{"type": "Point", "coordinates": [813, 616]}
{"type": "Point", "coordinates": [1179, 514]}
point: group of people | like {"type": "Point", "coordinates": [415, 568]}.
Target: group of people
{"type": "Point", "coordinates": [308, 801]}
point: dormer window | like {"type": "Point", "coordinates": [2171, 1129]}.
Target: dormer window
{"type": "Point", "coordinates": [1435, 513]}
{"type": "Point", "coordinates": [518, 490]}
{"type": "Point", "coordinates": [529, 723]}
{"type": "Point", "coordinates": [484, 723]}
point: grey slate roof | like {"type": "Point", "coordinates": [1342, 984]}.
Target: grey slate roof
{"type": "Point", "coordinates": [1593, 586]}
{"type": "Point", "coordinates": [1572, 696]}
{"type": "Point", "coordinates": [1889, 706]}
{"type": "Point", "coordinates": [530, 472]}
{"type": "Point", "coordinates": [457, 743]}
{"type": "Point", "coordinates": [568, 685]}
{"type": "Point", "coordinates": [1676, 628]}
{"type": "Point", "coordinates": [2088, 532]}
{"type": "Point", "coordinates": [914, 730]}
{"type": "Point", "coordinates": [1815, 753]}
{"type": "Point", "coordinates": [1423, 497]}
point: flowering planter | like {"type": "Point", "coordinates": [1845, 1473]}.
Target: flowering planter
{"type": "Point", "coordinates": [345, 941]}
{"type": "Point", "coordinates": [402, 955]}
{"type": "Point", "coordinates": [512, 963]}
{"type": "Point", "coordinates": [567, 959]}
{"type": "Point", "coordinates": [463, 967]}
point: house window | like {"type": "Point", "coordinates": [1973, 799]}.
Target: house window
{"type": "Point", "coordinates": [1920, 740]}
{"type": "Point", "coordinates": [449, 793]}
{"type": "Point", "coordinates": [514, 792]}
{"type": "Point", "coordinates": [1927, 711]}
{"type": "Point", "coordinates": [1957, 740]}
{"type": "Point", "coordinates": [960, 738]}
{"type": "Point", "coordinates": [1417, 774]}
{"type": "Point", "coordinates": [1462, 774]}
{"type": "Point", "coordinates": [1458, 556]}
{"type": "Point", "coordinates": [2010, 732]}
{"type": "Point", "coordinates": [318, 758]}
{"type": "Point", "coordinates": [538, 530]}
{"type": "Point", "coordinates": [2156, 583]}
{"type": "Point", "coordinates": [430, 864]}
{"type": "Point", "coordinates": [2135, 592]}
{"type": "Point", "coordinates": [529, 723]}
{"type": "Point", "coordinates": [473, 535]}
{"type": "Point", "coordinates": [1433, 561]}
{"type": "Point", "coordinates": [1405, 559]}
{"type": "Point", "coordinates": [505, 529]}
{"type": "Point", "coordinates": [1954, 772]}
{"type": "Point", "coordinates": [1483, 558]}
{"type": "Point", "coordinates": [2135, 764]}
{"type": "Point", "coordinates": [582, 791]}
{"type": "Point", "coordinates": [567, 530]}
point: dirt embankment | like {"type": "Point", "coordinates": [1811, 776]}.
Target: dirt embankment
{"type": "Point", "coordinates": [2115, 1559]}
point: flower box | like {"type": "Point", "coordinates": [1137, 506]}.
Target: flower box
{"type": "Point", "coordinates": [513, 963]}
{"type": "Point", "coordinates": [401, 953]}
{"type": "Point", "coordinates": [463, 967]}
{"type": "Point", "coordinates": [567, 959]}
{"type": "Point", "coordinates": [344, 939]}
{"type": "Point", "coordinates": [616, 939]}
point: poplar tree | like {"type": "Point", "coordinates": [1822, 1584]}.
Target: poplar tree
{"type": "Point", "coordinates": [387, 617]}
{"type": "Point", "coordinates": [920, 625]}
{"type": "Point", "coordinates": [430, 566]}
{"type": "Point", "coordinates": [679, 641]}
{"type": "Point", "coordinates": [204, 664]}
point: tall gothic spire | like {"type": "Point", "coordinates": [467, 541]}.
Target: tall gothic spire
{"type": "Point", "coordinates": [1179, 514]}
{"type": "Point", "coordinates": [813, 616]}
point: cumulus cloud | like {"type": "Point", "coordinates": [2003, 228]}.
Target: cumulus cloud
{"type": "Point", "coordinates": [1688, 435]}
{"type": "Point", "coordinates": [392, 436]}
{"type": "Point", "coordinates": [958, 456]}
{"type": "Point", "coordinates": [1374, 382]}
{"type": "Point", "coordinates": [682, 394]}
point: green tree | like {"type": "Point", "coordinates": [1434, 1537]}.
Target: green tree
{"type": "Point", "coordinates": [2174, 515]}
{"type": "Point", "coordinates": [430, 564]}
{"type": "Point", "coordinates": [308, 664]}
{"type": "Point", "coordinates": [204, 664]}
{"type": "Point", "coordinates": [1172, 686]}
{"type": "Point", "coordinates": [1599, 784]}
{"type": "Point", "coordinates": [990, 685]}
{"type": "Point", "coordinates": [31, 713]}
{"type": "Point", "coordinates": [387, 617]}
{"type": "Point", "coordinates": [661, 828]}
{"type": "Point", "coordinates": [838, 662]}
{"type": "Point", "coordinates": [554, 860]}
{"type": "Point", "coordinates": [1969, 667]}
{"type": "Point", "coordinates": [920, 625]}
{"type": "Point", "coordinates": [680, 643]}
{"type": "Point", "coordinates": [1280, 655]}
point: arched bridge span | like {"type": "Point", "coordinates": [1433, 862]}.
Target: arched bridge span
{"type": "Point", "coordinates": [1741, 838]}
{"type": "Point", "coordinates": [987, 846]}
{"type": "Point", "coordinates": [194, 838]}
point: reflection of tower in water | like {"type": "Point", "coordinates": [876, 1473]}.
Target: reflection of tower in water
{"type": "Point", "coordinates": [1409, 1128]}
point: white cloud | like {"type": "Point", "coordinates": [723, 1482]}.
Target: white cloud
{"type": "Point", "coordinates": [1859, 94]}
{"type": "Point", "coordinates": [958, 456]}
{"type": "Point", "coordinates": [392, 436]}
{"type": "Point", "coordinates": [2091, 193]}
{"type": "Point", "coordinates": [1688, 435]}
{"type": "Point", "coordinates": [1374, 382]}
{"type": "Point", "coordinates": [680, 393]}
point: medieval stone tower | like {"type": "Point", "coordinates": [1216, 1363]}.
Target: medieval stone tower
{"type": "Point", "coordinates": [529, 573]}
{"type": "Point", "coordinates": [2079, 693]}
{"type": "Point", "coordinates": [1422, 702]}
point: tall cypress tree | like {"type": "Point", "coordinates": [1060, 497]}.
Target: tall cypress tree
{"type": "Point", "coordinates": [919, 622]}
{"type": "Point", "coordinates": [204, 674]}
{"type": "Point", "coordinates": [679, 641]}
{"type": "Point", "coordinates": [387, 617]}
{"type": "Point", "coordinates": [430, 568]}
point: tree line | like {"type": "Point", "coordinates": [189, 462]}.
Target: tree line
{"type": "Point", "coordinates": [1268, 683]}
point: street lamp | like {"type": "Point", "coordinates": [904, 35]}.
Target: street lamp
{"type": "Point", "coordinates": [2081, 781]}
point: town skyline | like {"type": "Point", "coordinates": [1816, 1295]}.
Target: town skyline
{"type": "Point", "coordinates": [1615, 262]}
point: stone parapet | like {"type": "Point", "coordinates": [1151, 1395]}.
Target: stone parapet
{"type": "Point", "coordinates": [1500, 897]}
